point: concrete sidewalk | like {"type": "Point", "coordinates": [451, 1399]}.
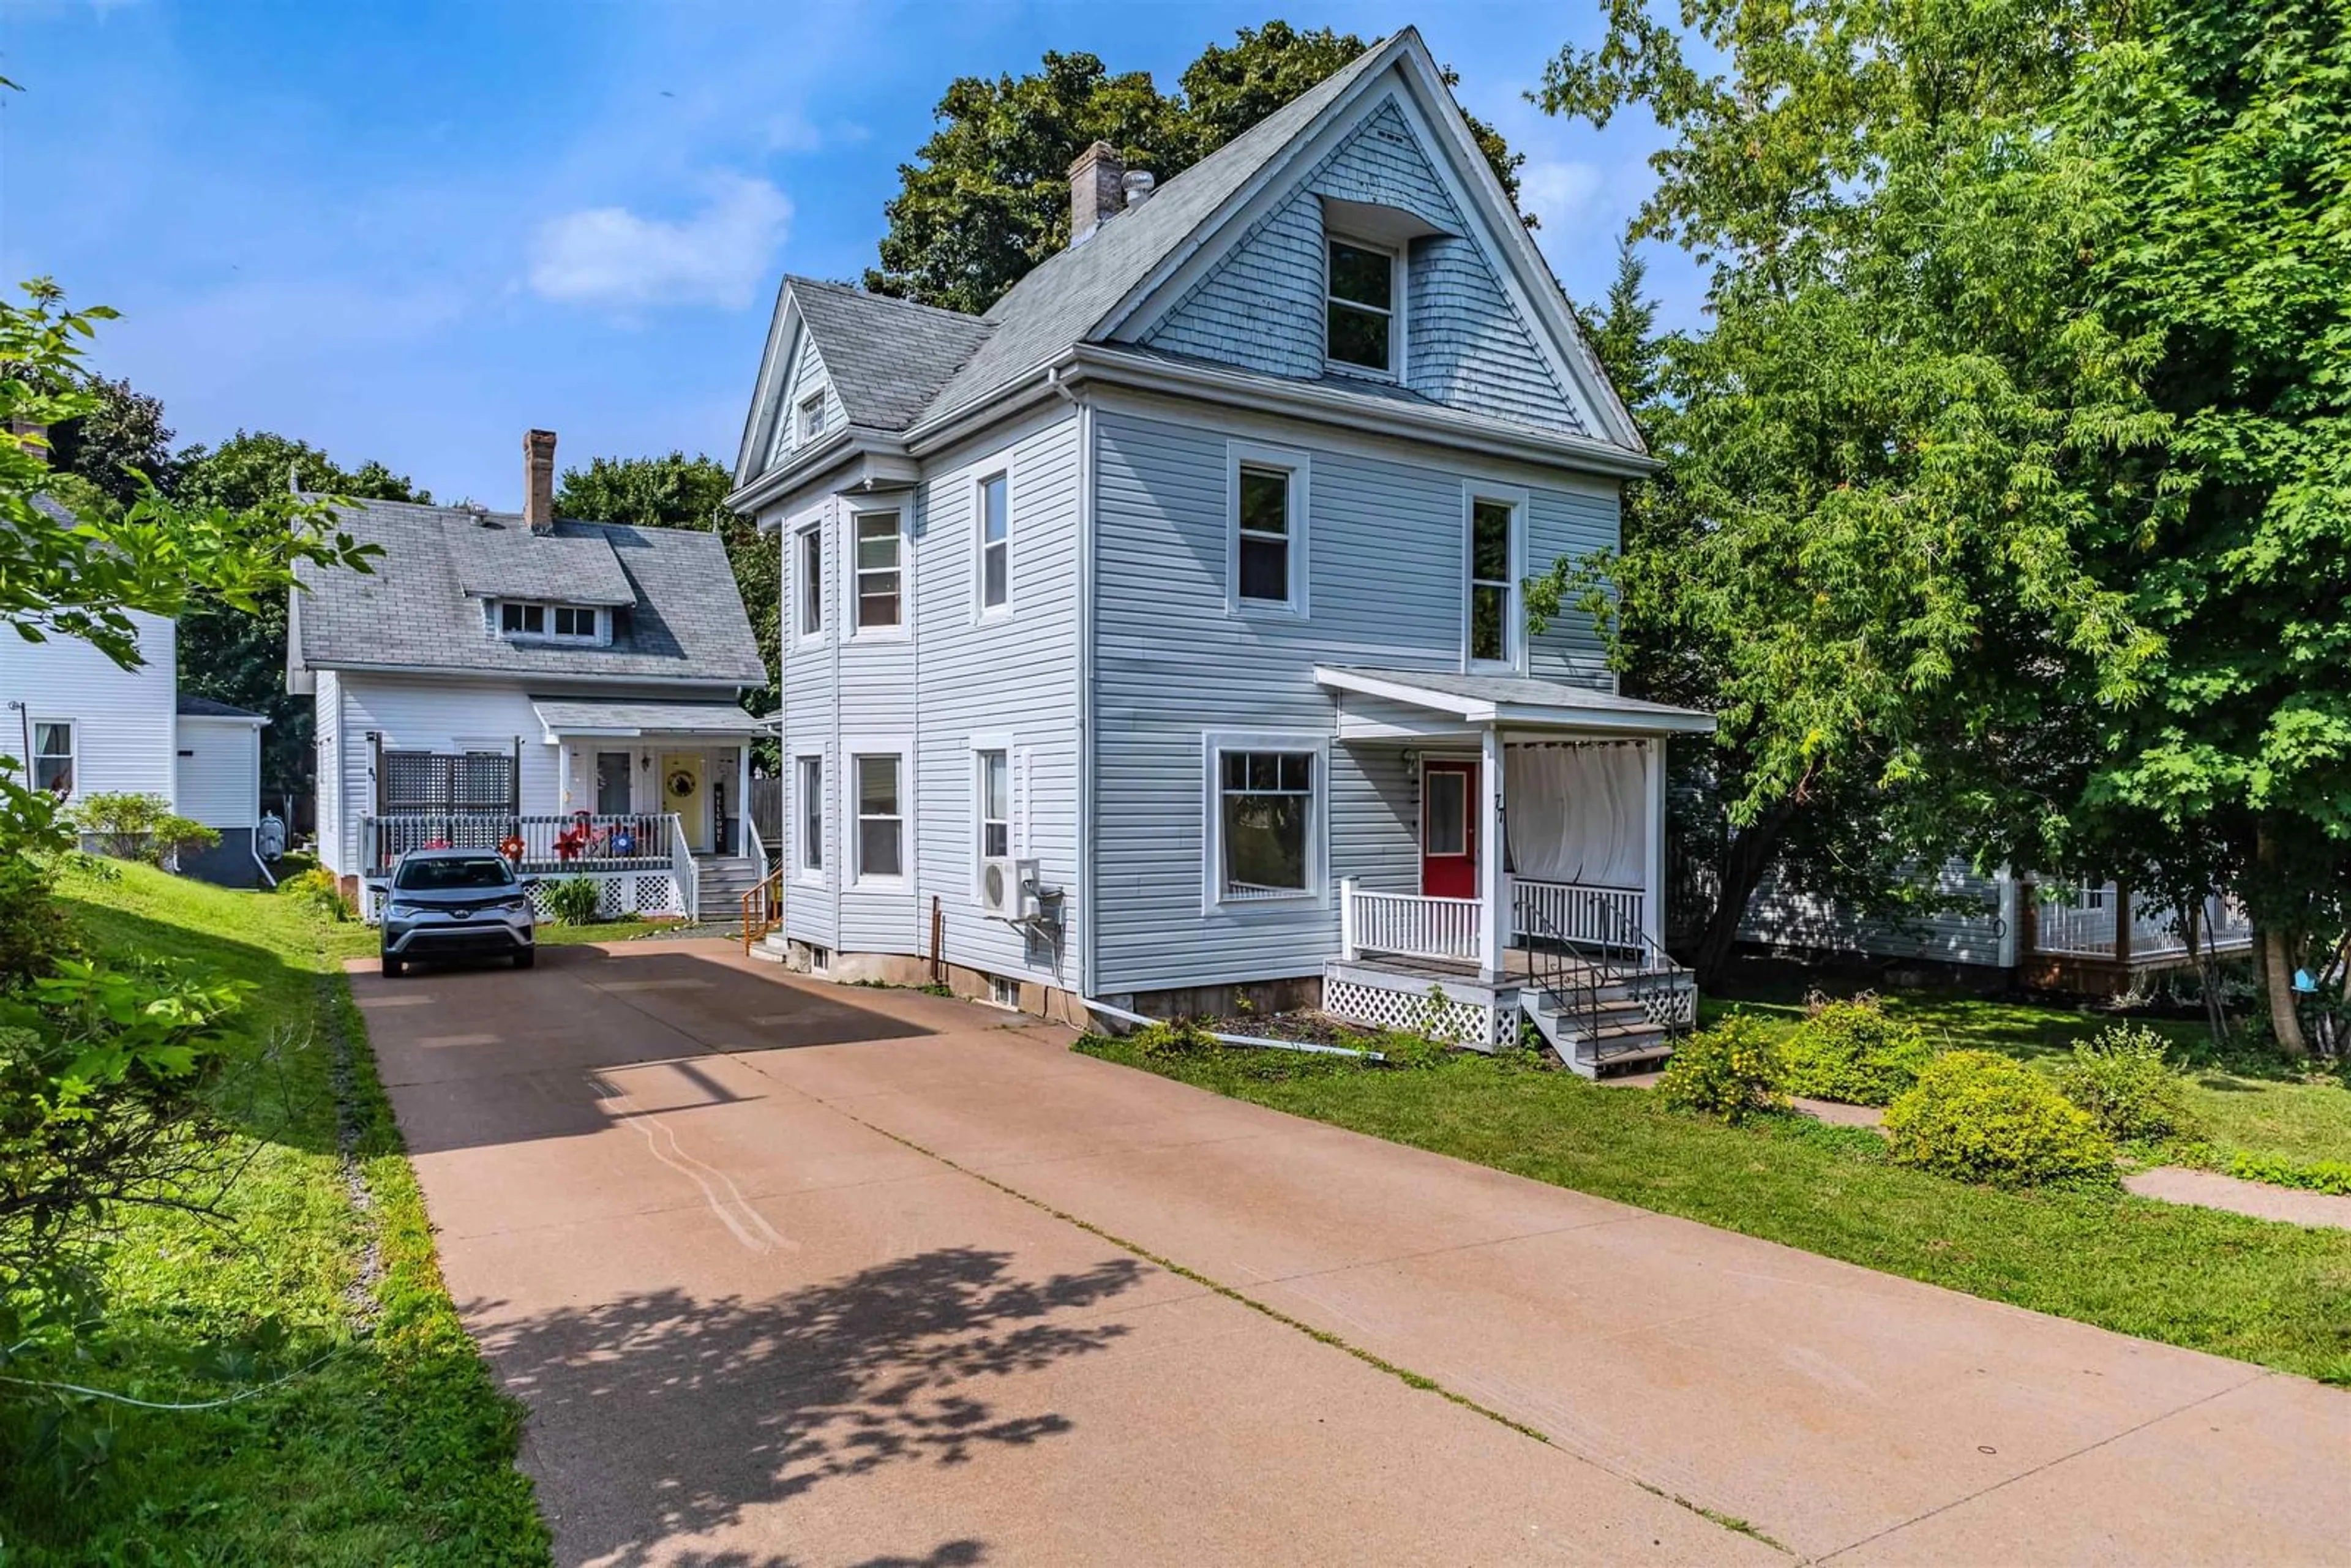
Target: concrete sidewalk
{"type": "Point", "coordinates": [818, 1275]}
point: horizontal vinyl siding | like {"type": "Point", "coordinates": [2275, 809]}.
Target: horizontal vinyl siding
{"type": "Point", "coordinates": [1466, 346]}
{"type": "Point", "coordinates": [1015, 678]}
{"type": "Point", "coordinates": [124, 720]}
{"type": "Point", "coordinates": [1783, 916]}
{"type": "Point", "coordinates": [1570, 525]}
{"type": "Point", "coordinates": [219, 772]}
{"type": "Point", "coordinates": [807, 375]}
{"type": "Point", "coordinates": [931, 692]}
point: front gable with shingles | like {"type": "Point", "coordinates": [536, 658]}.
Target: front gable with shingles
{"type": "Point", "coordinates": [1466, 341]}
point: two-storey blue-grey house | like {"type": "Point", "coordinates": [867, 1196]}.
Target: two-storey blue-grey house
{"type": "Point", "coordinates": [1161, 632]}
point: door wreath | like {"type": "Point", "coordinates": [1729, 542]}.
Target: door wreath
{"type": "Point", "coordinates": [682, 783]}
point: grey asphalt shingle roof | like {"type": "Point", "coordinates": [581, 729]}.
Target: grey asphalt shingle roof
{"type": "Point", "coordinates": [1524, 692]}
{"type": "Point", "coordinates": [686, 621]}
{"type": "Point", "coordinates": [192, 706]}
{"type": "Point", "coordinates": [496, 560]}
{"type": "Point", "coordinates": [572, 717]}
{"type": "Point", "coordinates": [1066, 296]}
{"type": "Point", "coordinates": [887, 357]}
{"type": "Point", "coordinates": [895, 363]}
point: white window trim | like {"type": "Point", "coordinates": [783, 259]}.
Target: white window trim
{"type": "Point", "coordinates": [600, 615]}
{"type": "Point", "coordinates": [1213, 744]}
{"type": "Point", "coordinates": [1296, 462]}
{"type": "Point", "coordinates": [1514, 619]}
{"type": "Point", "coordinates": [805, 431]}
{"type": "Point", "coordinates": [1399, 281]}
{"type": "Point", "coordinates": [974, 746]}
{"type": "Point", "coordinates": [72, 755]}
{"type": "Point", "coordinates": [851, 629]}
{"type": "Point", "coordinates": [802, 873]}
{"type": "Point", "coordinates": [804, 582]}
{"type": "Point", "coordinates": [851, 836]}
{"type": "Point", "coordinates": [980, 609]}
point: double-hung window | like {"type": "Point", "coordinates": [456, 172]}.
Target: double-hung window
{"type": "Point", "coordinates": [995, 543]}
{"type": "Point", "coordinates": [809, 419]}
{"type": "Point", "coordinates": [1493, 593]}
{"type": "Point", "coordinates": [992, 786]}
{"type": "Point", "coordinates": [880, 816]}
{"type": "Point", "coordinates": [878, 550]}
{"type": "Point", "coordinates": [811, 817]}
{"type": "Point", "coordinates": [811, 570]}
{"type": "Point", "coordinates": [574, 621]}
{"type": "Point", "coordinates": [53, 756]}
{"type": "Point", "coordinates": [522, 620]}
{"type": "Point", "coordinates": [1268, 560]}
{"type": "Point", "coordinates": [1266, 797]}
{"type": "Point", "coordinates": [1359, 309]}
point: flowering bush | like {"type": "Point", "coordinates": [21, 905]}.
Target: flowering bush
{"type": "Point", "coordinates": [2122, 1081]}
{"type": "Point", "coordinates": [1853, 1053]}
{"type": "Point", "coordinates": [1979, 1116]}
{"type": "Point", "coordinates": [1729, 1072]}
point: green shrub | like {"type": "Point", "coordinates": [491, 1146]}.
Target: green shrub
{"type": "Point", "coordinates": [317, 889]}
{"type": "Point", "coordinates": [2319, 1175]}
{"type": "Point", "coordinates": [141, 827]}
{"type": "Point", "coordinates": [1853, 1053]}
{"type": "Point", "coordinates": [1979, 1116]}
{"type": "Point", "coordinates": [2122, 1080]}
{"type": "Point", "coordinates": [575, 900]}
{"type": "Point", "coordinates": [1178, 1036]}
{"type": "Point", "coordinates": [1729, 1072]}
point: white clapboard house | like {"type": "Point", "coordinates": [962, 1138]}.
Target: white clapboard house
{"type": "Point", "coordinates": [76, 724]}
{"type": "Point", "coordinates": [1159, 634]}
{"type": "Point", "coordinates": [567, 691]}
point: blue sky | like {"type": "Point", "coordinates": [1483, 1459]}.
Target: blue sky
{"type": "Point", "coordinates": [410, 234]}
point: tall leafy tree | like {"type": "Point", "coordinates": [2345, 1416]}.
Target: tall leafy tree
{"type": "Point", "coordinates": [121, 439]}
{"type": "Point", "coordinates": [1891, 456]}
{"type": "Point", "coordinates": [987, 197]}
{"type": "Point", "coordinates": [677, 491]}
{"type": "Point", "coordinates": [236, 654]}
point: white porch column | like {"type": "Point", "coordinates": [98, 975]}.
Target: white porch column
{"type": "Point", "coordinates": [1347, 947]}
{"type": "Point", "coordinates": [1653, 876]}
{"type": "Point", "coordinates": [744, 828]}
{"type": "Point", "coordinates": [563, 777]}
{"type": "Point", "coordinates": [1493, 883]}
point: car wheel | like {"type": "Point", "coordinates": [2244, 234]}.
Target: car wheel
{"type": "Point", "coordinates": [527, 957]}
{"type": "Point", "coordinates": [392, 966]}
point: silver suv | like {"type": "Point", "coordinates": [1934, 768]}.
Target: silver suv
{"type": "Point", "coordinates": [454, 904]}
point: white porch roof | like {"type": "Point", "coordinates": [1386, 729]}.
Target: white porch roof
{"type": "Point", "coordinates": [628, 720]}
{"type": "Point", "coordinates": [1506, 702]}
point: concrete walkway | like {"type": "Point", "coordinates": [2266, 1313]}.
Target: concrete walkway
{"type": "Point", "coordinates": [2211, 1190]}
{"type": "Point", "coordinates": [792, 1273]}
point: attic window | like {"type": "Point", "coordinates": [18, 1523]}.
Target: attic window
{"type": "Point", "coordinates": [555, 623]}
{"type": "Point", "coordinates": [809, 419]}
{"type": "Point", "coordinates": [1360, 310]}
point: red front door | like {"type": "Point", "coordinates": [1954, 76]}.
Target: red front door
{"type": "Point", "coordinates": [1448, 832]}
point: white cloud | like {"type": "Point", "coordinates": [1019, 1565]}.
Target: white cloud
{"type": "Point", "coordinates": [610, 255]}
{"type": "Point", "coordinates": [1561, 191]}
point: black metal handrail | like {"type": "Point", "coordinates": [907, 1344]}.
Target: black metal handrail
{"type": "Point", "coordinates": [1645, 983]}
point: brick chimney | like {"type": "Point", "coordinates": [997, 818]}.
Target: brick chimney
{"type": "Point", "coordinates": [1095, 189]}
{"type": "Point", "coordinates": [538, 480]}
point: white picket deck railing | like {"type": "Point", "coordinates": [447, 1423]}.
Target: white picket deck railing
{"type": "Point", "coordinates": [1586, 915]}
{"type": "Point", "coordinates": [2085, 927]}
{"type": "Point", "coordinates": [1408, 925]}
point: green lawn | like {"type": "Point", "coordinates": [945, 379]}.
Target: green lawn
{"type": "Point", "coordinates": [2277, 1294]}
{"type": "Point", "coordinates": [2244, 1106]}
{"type": "Point", "coordinates": [398, 1447]}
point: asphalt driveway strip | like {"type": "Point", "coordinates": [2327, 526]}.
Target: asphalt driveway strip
{"type": "Point", "coordinates": [787, 1272]}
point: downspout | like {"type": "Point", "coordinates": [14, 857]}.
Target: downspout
{"type": "Point", "coordinates": [1084, 835]}
{"type": "Point", "coordinates": [1260, 1042]}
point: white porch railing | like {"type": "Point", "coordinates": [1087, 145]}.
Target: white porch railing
{"type": "Point", "coordinates": [1408, 925]}
{"type": "Point", "coordinates": [639, 841]}
{"type": "Point", "coordinates": [2086, 927]}
{"type": "Point", "coordinates": [1586, 915]}
{"type": "Point", "coordinates": [682, 866]}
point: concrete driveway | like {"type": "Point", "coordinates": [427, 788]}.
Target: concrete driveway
{"type": "Point", "coordinates": [793, 1273]}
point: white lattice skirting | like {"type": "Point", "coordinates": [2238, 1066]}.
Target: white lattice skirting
{"type": "Point", "coordinates": [619, 893]}
{"type": "Point", "coordinates": [1424, 1010]}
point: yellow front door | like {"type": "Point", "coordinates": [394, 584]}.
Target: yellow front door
{"type": "Point", "coordinates": [683, 791]}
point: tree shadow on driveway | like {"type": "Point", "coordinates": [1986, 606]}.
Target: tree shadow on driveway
{"type": "Point", "coordinates": [659, 1414]}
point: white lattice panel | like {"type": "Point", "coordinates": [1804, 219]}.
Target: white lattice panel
{"type": "Point", "coordinates": [1415, 1011]}
{"type": "Point", "coordinates": [657, 896]}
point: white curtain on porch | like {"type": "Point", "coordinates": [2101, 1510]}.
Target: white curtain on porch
{"type": "Point", "coordinates": [1576, 812]}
